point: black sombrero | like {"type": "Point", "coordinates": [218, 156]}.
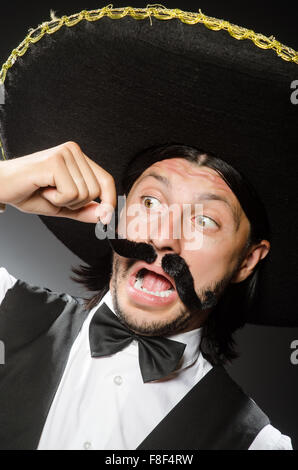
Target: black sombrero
{"type": "Point", "coordinates": [119, 80]}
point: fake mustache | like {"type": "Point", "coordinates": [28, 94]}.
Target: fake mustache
{"type": "Point", "coordinates": [173, 264]}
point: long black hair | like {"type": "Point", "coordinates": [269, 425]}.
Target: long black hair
{"type": "Point", "coordinates": [237, 301]}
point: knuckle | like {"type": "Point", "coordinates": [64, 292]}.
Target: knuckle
{"type": "Point", "coordinates": [83, 191]}
{"type": "Point", "coordinates": [84, 195]}
{"type": "Point", "coordinates": [71, 146]}
{"type": "Point", "coordinates": [93, 194]}
{"type": "Point", "coordinates": [109, 179]}
{"type": "Point", "coordinates": [108, 183]}
{"type": "Point", "coordinates": [71, 195]}
{"type": "Point", "coordinates": [64, 154]}
{"type": "Point", "coordinates": [56, 157]}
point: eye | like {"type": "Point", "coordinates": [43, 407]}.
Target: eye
{"type": "Point", "coordinates": [205, 222]}
{"type": "Point", "coordinates": [150, 202]}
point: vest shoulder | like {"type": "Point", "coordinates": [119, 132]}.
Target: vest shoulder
{"type": "Point", "coordinates": [20, 291]}
{"type": "Point", "coordinates": [28, 311]}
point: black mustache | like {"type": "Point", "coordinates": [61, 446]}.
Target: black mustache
{"type": "Point", "coordinates": [176, 267]}
{"type": "Point", "coordinates": [134, 250]}
{"type": "Point", "coordinates": [173, 264]}
{"type": "Point", "coordinates": [124, 247]}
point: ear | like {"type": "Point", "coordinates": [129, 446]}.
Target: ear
{"type": "Point", "coordinates": [254, 255]}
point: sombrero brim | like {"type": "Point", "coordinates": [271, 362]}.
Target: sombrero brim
{"type": "Point", "coordinates": [117, 85]}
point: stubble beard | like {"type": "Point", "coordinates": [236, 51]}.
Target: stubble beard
{"type": "Point", "coordinates": [153, 327]}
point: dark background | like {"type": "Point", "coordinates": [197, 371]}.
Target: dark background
{"type": "Point", "coordinates": [30, 252]}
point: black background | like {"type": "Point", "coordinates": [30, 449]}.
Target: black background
{"type": "Point", "coordinates": [264, 369]}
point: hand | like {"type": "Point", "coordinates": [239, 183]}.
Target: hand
{"type": "Point", "coordinates": [61, 182]}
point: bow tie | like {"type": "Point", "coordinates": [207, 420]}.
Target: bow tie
{"type": "Point", "coordinates": [158, 356]}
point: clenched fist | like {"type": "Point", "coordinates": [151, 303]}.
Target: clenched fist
{"type": "Point", "coordinates": [61, 181]}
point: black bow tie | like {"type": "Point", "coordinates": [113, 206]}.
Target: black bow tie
{"type": "Point", "coordinates": [158, 356]}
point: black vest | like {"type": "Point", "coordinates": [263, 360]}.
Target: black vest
{"type": "Point", "coordinates": [38, 327]}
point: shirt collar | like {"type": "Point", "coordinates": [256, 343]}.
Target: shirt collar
{"type": "Point", "coordinates": [192, 338]}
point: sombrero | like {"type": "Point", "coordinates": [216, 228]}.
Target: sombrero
{"type": "Point", "coordinates": [119, 80]}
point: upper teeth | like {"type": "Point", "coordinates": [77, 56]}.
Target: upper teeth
{"type": "Point", "coordinates": [138, 285]}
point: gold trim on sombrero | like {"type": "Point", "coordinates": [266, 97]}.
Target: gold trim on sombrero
{"type": "Point", "coordinates": [161, 13]}
{"type": "Point", "coordinates": [2, 150]}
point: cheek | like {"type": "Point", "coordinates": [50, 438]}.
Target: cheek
{"type": "Point", "coordinates": [208, 265]}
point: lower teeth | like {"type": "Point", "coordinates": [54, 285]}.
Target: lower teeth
{"type": "Point", "coordinates": [165, 293]}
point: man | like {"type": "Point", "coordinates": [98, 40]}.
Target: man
{"type": "Point", "coordinates": [158, 392]}
{"type": "Point", "coordinates": [223, 258]}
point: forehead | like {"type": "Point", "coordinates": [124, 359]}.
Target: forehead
{"type": "Point", "coordinates": [185, 170]}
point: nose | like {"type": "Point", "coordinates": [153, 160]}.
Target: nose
{"type": "Point", "coordinates": [165, 233]}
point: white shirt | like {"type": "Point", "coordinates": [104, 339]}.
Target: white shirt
{"type": "Point", "coordinates": [102, 403]}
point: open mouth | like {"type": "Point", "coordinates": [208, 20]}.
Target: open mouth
{"type": "Point", "coordinates": [151, 287]}
{"type": "Point", "coordinates": [153, 283]}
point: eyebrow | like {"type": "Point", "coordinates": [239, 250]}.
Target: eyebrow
{"type": "Point", "coordinates": [199, 197]}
